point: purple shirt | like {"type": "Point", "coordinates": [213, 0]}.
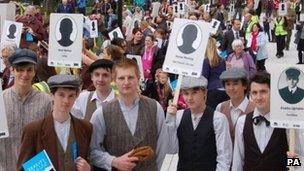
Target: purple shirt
{"type": "Point", "coordinates": [213, 74]}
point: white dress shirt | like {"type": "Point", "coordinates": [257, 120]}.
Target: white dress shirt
{"type": "Point", "coordinates": [80, 105]}
{"type": "Point", "coordinates": [235, 112]}
{"type": "Point", "coordinates": [63, 131]}
{"type": "Point", "coordinates": [262, 134]}
{"type": "Point", "coordinates": [101, 158]}
{"type": "Point", "coordinates": [292, 90]}
{"type": "Point", "coordinates": [222, 137]}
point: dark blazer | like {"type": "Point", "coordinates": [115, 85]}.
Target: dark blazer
{"type": "Point", "coordinates": [290, 98]}
{"type": "Point", "coordinates": [228, 39]}
{"type": "Point", "coordinates": [40, 135]}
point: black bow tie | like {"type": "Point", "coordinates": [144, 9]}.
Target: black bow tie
{"type": "Point", "coordinates": [258, 119]}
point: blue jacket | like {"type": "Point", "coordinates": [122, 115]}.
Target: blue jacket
{"type": "Point", "coordinates": [261, 44]}
{"type": "Point", "coordinates": [65, 9]}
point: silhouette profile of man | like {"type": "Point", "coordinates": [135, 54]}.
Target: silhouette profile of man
{"type": "Point", "coordinates": [115, 34]}
{"type": "Point", "coordinates": [176, 10]}
{"type": "Point", "coordinates": [93, 26]}
{"type": "Point", "coordinates": [189, 35]}
{"type": "Point", "coordinates": [283, 7]}
{"type": "Point", "coordinates": [292, 94]}
{"type": "Point", "coordinates": [66, 29]}
{"type": "Point", "coordinates": [181, 6]}
{"type": "Point", "coordinates": [214, 24]}
{"type": "Point", "coordinates": [12, 30]}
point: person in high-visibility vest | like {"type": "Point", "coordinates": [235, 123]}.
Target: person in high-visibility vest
{"type": "Point", "coordinates": [280, 33]}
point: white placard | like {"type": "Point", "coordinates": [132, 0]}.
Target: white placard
{"type": "Point", "coordinates": [187, 46]}
{"type": "Point", "coordinates": [155, 9]}
{"type": "Point", "coordinates": [282, 9]}
{"type": "Point", "coordinates": [65, 45]}
{"type": "Point", "coordinates": [169, 24]}
{"type": "Point", "coordinates": [3, 120]}
{"type": "Point", "coordinates": [137, 58]}
{"type": "Point", "coordinates": [175, 9]}
{"type": "Point", "coordinates": [7, 12]}
{"type": "Point", "coordinates": [207, 8]}
{"type": "Point", "coordinates": [181, 8]}
{"type": "Point", "coordinates": [286, 107]}
{"type": "Point", "coordinates": [11, 32]}
{"type": "Point", "coordinates": [93, 29]}
{"type": "Point", "coordinates": [256, 4]}
{"type": "Point", "coordinates": [215, 24]}
{"type": "Point", "coordinates": [116, 33]}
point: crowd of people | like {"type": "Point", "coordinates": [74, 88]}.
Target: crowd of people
{"type": "Point", "coordinates": [98, 116]}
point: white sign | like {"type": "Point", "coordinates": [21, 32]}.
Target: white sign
{"type": "Point", "coordinates": [175, 10]}
{"type": "Point", "coordinates": [169, 24]}
{"type": "Point", "coordinates": [282, 9]}
{"type": "Point", "coordinates": [116, 33]}
{"type": "Point", "coordinates": [207, 8]}
{"type": "Point", "coordinates": [65, 40]}
{"type": "Point", "coordinates": [3, 120]}
{"type": "Point", "coordinates": [287, 88]}
{"type": "Point", "coordinates": [155, 9]}
{"type": "Point", "coordinates": [7, 12]}
{"type": "Point", "coordinates": [187, 46]}
{"type": "Point", "coordinates": [181, 8]}
{"type": "Point", "coordinates": [11, 32]}
{"type": "Point", "coordinates": [93, 29]}
{"type": "Point", "coordinates": [215, 24]}
{"type": "Point", "coordinates": [137, 58]}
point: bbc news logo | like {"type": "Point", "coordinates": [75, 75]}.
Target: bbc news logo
{"type": "Point", "coordinates": [293, 162]}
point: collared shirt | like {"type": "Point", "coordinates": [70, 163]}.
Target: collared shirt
{"type": "Point", "coordinates": [80, 106]}
{"type": "Point", "coordinates": [19, 113]}
{"type": "Point", "coordinates": [236, 34]}
{"type": "Point", "coordinates": [235, 112]}
{"type": "Point", "coordinates": [262, 134]}
{"type": "Point", "coordinates": [222, 137]}
{"type": "Point", "coordinates": [292, 90]}
{"type": "Point", "coordinates": [63, 131]}
{"type": "Point", "coordinates": [101, 158]}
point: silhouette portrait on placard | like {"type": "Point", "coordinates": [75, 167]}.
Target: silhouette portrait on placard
{"type": "Point", "coordinates": [189, 35]}
{"type": "Point", "coordinates": [115, 34]}
{"type": "Point", "coordinates": [214, 24]}
{"type": "Point", "coordinates": [180, 6]}
{"type": "Point", "coordinates": [93, 26]}
{"type": "Point", "coordinates": [176, 9]}
{"type": "Point", "coordinates": [12, 30]}
{"type": "Point", "coordinates": [292, 93]}
{"type": "Point", "coordinates": [283, 7]}
{"type": "Point", "coordinates": [66, 29]}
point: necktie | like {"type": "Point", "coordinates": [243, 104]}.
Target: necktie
{"type": "Point", "coordinates": [237, 35]}
{"type": "Point", "coordinates": [259, 119]}
{"type": "Point", "coordinates": [195, 122]}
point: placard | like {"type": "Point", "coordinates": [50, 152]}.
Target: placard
{"type": "Point", "coordinates": [137, 58]}
{"type": "Point", "coordinates": [7, 12]}
{"type": "Point", "coordinates": [65, 45]}
{"type": "Point", "coordinates": [207, 8]}
{"type": "Point", "coordinates": [282, 11]}
{"type": "Point", "coordinates": [215, 24]}
{"type": "Point", "coordinates": [187, 46]}
{"type": "Point", "coordinates": [40, 162]}
{"type": "Point", "coordinates": [116, 33]}
{"type": "Point", "coordinates": [93, 29]}
{"type": "Point", "coordinates": [3, 120]}
{"type": "Point", "coordinates": [287, 92]}
{"type": "Point", "coordinates": [181, 8]}
{"type": "Point", "coordinates": [155, 8]}
{"type": "Point", "coordinates": [11, 32]}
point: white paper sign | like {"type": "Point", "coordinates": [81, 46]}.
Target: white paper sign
{"type": "Point", "coordinates": [7, 12]}
{"type": "Point", "coordinates": [187, 46]}
{"type": "Point", "coordinates": [287, 92]}
{"type": "Point", "coordinates": [93, 29]}
{"type": "Point", "coordinates": [175, 10]}
{"type": "Point", "coordinates": [207, 8]}
{"type": "Point", "coordinates": [116, 33]}
{"type": "Point", "coordinates": [282, 9]}
{"type": "Point", "coordinates": [11, 32]}
{"type": "Point", "coordinates": [181, 8]}
{"type": "Point", "coordinates": [169, 24]}
{"type": "Point", "coordinates": [3, 120]}
{"type": "Point", "coordinates": [65, 40]}
{"type": "Point", "coordinates": [155, 9]}
{"type": "Point", "coordinates": [137, 58]}
{"type": "Point", "coordinates": [214, 26]}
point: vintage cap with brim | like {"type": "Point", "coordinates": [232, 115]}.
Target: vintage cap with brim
{"type": "Point", "coordinates": [23, 56]}
{"type": "Point", "coordinates": [193, 82]}
{"type": "Point", "coordinates": [64, 81]}
{"type": "Point", "coordinates": [100, 63]}
{"type": "Point", "coordinates": [233, 74]}
{"type": "Point", "coordinates": [292, 73]}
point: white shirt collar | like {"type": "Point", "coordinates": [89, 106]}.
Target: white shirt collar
{"type": "Point", "coordinates": [242, 106]}
{"type": "Point", "coordinates": [292, 89]}
{"type": "Point", "coordinates": [256, 112]}
{"type": "Point", "coordinates": [198, 116]}
{"type": "Point", "coordinates": [109, 98]}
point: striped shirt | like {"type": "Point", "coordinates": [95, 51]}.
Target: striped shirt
{"type": "Point", "coordinates": [19, 113]}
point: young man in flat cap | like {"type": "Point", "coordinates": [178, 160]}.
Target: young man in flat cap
{"type": "Point", "coordinates": [65, 138]}
{"type": "Point", "coordinates": [257, 146]}
{"type": "Point", "coordinates": [292, 94]}
{"type": "Point", "coordinates": [128, 122]}
{"type": "Point", "coordinates": [23, 105]}
{"type": "Point", "coordinates": [236, 85]}
{"type": "Point", "coordinates": [89, 101]}
{"type": "Point", "coordinates": [199, 134]}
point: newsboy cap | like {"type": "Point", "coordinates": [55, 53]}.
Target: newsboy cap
{"type": "Point", "coordinates": [23, 56]}
{"type": "Point", "coordinates": [100, 63]}
{"type": "Point", "coordinates": [193, 82]}
{"type": "Point", "coordinates": [292, 73]}
{"type": "Point", "coordinates": [64, 80]}
{"type": "Point", "coordinates": [233, 74]}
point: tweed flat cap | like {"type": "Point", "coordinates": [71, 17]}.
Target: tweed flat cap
{"type": "Point", "coordinates": [292, 73]}
{"type": "Point", "coordinates": [23, 56]}
{"type": "Point", "coordinates": [192, 82]}
{"type": "Point", "coordinates": [64, 80]}
{"type": "Point", "coordinates": [100, 63]}
{"type": "Point", "coordinates": [233, 74]}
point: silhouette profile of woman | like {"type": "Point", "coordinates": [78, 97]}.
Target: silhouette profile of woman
{"type": "Point", "coordinates": [12, 30]}
{"type": "Point", "coordinates": [66, 28]}
{"type": "Point", "coordinates": [189, 36]}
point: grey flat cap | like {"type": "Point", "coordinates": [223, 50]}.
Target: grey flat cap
{"type": "Point", "coordinates": [64, 80]}
{"type": "Point", "coordinates": [23, 56]}
{"type": "Point", "coordinates": [192, 82]}
{"type": "Point", "coordinates": [233, 74]}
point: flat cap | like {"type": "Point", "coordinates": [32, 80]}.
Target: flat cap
{"type": "Point", "coordinates": [23, 56]}
{"type": "Point", "coordinates": [292, 73]}
{"type": "Point", "coordinates": [100, 63]}
{"type": "Point", "coordinates": [233, 74]}
{"type": "Point", "coordinates": [64, 80]}
{"type": "Point", "coordinates": [193, 82]}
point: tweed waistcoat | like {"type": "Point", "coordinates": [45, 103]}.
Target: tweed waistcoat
{"type": "Point", "coordinates": [91, 107]}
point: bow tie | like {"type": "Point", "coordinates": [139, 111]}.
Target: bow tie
{"type": "Point", "coordinates": [258, 119]}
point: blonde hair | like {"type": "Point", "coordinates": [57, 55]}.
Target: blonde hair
{"type": "Point", "coordinates": [211, 53]}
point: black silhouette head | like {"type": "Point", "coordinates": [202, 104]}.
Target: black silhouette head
{"type": "Point", "coordinates": [12, 30]}
{"type": "Point", "coordinates": [189, 35]}
{"type": "Point", "coordinates": [176, 10]}
{"type": "Point", "coordinates": [93, 26]}
{"type": "Point", "coordinates": [283, 7]}
{"type": "Point", "coordinates": [181, 6]}
{"type": "Point", "coordinates": [214, 24]}
{"type": "Point", "coordinates": [66, 28]}
{"type": "Point", "coordinates": [115, 34]}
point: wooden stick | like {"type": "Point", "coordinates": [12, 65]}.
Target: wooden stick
{"type": "Point", "coordinates": [177, 89]}
{"type": "Point", "coordinates": [292, 139]}
{"type": "Point", "coordinates": [95, 42]}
